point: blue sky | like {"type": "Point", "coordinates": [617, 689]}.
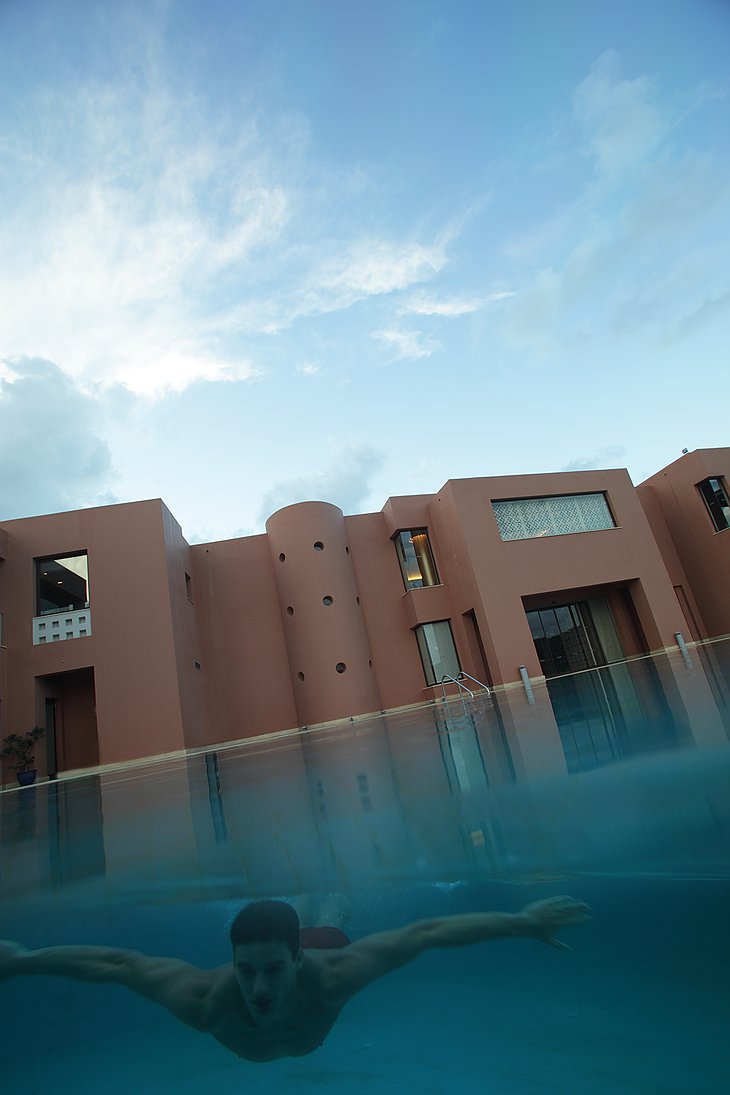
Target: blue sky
{"type": "Point", "coordinates": [255, 253]}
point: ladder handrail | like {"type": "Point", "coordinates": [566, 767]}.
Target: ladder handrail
{"type": "Point", "coordinates": [481, 684]}
{"type": "Point", "coordinates": [447, 679]}
{"type": "Point", "coordinates": [454, 680]}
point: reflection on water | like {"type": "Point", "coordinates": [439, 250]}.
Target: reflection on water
{"type": "Point", "coordinates": [622, 768]}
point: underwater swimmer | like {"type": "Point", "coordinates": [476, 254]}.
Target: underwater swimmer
{"type": "Point", "coordinates": [286, 986]}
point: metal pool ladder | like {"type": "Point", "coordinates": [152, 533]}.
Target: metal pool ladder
{"type": "Point", "coordinates": [459, 682]}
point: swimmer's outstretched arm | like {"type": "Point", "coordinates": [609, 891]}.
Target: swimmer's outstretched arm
{"type": "Point", "coordinates": [179, 987]}
{"type": "Point", "coordinates": [355, 966]}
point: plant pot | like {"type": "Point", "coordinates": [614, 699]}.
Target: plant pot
{"type": "Point", "coordinates": [26, 778]}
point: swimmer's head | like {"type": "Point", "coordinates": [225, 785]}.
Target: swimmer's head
{"type": "Point", "coordinates": [267, 922]}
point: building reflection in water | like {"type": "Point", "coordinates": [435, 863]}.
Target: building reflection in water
{"type": "Point", "coordinates": [620, 768]}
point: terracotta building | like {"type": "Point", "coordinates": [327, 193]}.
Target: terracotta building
{"type": "Point", "coordinates": [125, 642]}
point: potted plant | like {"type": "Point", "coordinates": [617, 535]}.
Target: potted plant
{"type": "Point", "coordinates": [20, 751]}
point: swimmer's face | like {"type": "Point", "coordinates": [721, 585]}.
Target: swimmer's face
{"type": "Point", "coordinates": [267, 977]}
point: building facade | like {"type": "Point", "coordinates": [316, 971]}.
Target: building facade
{"type": "Point", "coordinates": [125, 642]}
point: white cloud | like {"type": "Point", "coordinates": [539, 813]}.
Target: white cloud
{"type": "Point", "coordinates": [308, 368]}
{"type": "Point", "coordinates": [611, 456]}
{"type": "Point", "coordinates": [621, 118]}
{"type": "Point", "coordinates": [50, 454]}
{"type": "Point", "coordinates": [345, 483]}
{"type": "Point", "coordinates": [452, 307]}
{"type": "Point", "coordinates": [639, 244]}
{"type": "Point", "coordinates": [406, 344]}
{"type": "Point", "coordinates": [116, 252]}
{"type": "Point", "coordinates": [149, 258]}
{"type": "Point", "coordinates": [377, 266]}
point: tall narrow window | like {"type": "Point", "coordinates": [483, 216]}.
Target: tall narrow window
{"type": "Point", "coordinates": [437, 650]}
{"type": "Point", "coordinates": [63, 583]}
{"type": "Point", "coordinates": [714, 493]}
{"type": "Point", "coordinates": [416, 558]}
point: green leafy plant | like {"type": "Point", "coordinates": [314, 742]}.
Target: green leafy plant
{"type": "Point", "coordinates": [20, 748]}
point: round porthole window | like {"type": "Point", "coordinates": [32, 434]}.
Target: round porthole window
{"type": "Point", "coordinates": [282, 556]}
{"type": "Point", "coordinates": [290, 611]}
{"type": "Point", "coordinates": [327, 600]}
{"type": "Point", "coordinates": [318, 545]}
{"type": "Point", "coordinates": [300, 676]}
{"type": "Point", "coordinates": [340, 667]}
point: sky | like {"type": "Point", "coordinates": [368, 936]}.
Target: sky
{"type": "Point", "coordinates": [257, 252]}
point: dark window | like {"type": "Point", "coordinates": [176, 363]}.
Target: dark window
{"type": "Point", "coordinates": [714, 493]}
{"type": "Point", "coordinates": [416, 558]}
{"type": "Point", "coordinates": [63, 583]}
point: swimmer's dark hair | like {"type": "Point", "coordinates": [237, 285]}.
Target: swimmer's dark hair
{"type": "Point", "coordinates": [267, 922]}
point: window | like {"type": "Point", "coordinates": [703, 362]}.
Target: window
{"type": "Point", "coordinates": [416, 558]}
{"type": "Point", "coordinates": [714, 494]}
{"type": "Point", "coordinates": [438, 653]}
{"type": "Point", "coordinates": [63, 583]}
{"type": "Point", "coordinates": [526, 518]}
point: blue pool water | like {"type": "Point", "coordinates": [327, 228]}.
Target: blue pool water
{"type": "Point", "coordinates": [622, 800]}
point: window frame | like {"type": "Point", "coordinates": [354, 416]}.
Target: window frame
{"type": "Point", "coordinates": [424, 560]}
{"type": "Point", "coordinates": [42, 560]}
{"type": "Point", "coordinates": [422, 642]}
{"type": "Point", "coordinates": [554, 530]}
{"type": "Point", "coordinates": [713, 503]}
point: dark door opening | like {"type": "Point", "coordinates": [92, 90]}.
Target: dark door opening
{"type": "Point", "coordinates": [70, 710]}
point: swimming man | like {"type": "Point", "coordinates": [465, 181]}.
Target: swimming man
{"type": "Point", "coordinates": [286, 987]}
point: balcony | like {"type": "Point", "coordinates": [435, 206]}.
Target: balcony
{"type": "Point", "coordinates": [68, 623]}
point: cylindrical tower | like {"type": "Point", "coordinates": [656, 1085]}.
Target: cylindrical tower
{"type": "Point", "coordinates": [326, 636]}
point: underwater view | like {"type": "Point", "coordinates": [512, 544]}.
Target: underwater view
{"type": "Point", "coordinates": [611, 786]}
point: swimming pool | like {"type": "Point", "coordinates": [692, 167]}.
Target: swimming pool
{"type": "Point", "coordinates": [613, 788]}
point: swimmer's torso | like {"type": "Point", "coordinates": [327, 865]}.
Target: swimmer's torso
{"type": "Point", "coordinates": [231, 1023]}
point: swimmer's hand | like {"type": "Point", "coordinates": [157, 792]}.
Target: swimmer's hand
{"type": "Point", "coordinates": [9, 952]}
{"type": "Point", "coordinates": [542, 919]}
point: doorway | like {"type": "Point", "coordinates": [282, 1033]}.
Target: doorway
{"type": "Point", "coordinates": [605, 707]}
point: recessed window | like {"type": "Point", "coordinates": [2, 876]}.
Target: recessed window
{"type": "Point", "coordinates": [197, 664]}
{"type": "Point", "coordinates": [714, 493]}
{"type": "Point", "coordinates": [560, 515]}
{"type": "Point", "coordinates": [62, 583]}
{"type": "Point", "coordinates": [416, 558]}
{"type": "Point", "coordinates": [289, 610]}
{"type": "Point", "coordinates": [327, 600]}
{"type": "Point", "coordinates": [438, 652]}
{"type": "Point", "coordinates": [340, 667]}
{"type": "Point", "coordinates": [318, 545]}
{"type": "Point", "coordinates": [300, 676]}
{"type": "Point", "coordinates": [282, 556]}
{"type": "Point", "coordinates": [189, 586]}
